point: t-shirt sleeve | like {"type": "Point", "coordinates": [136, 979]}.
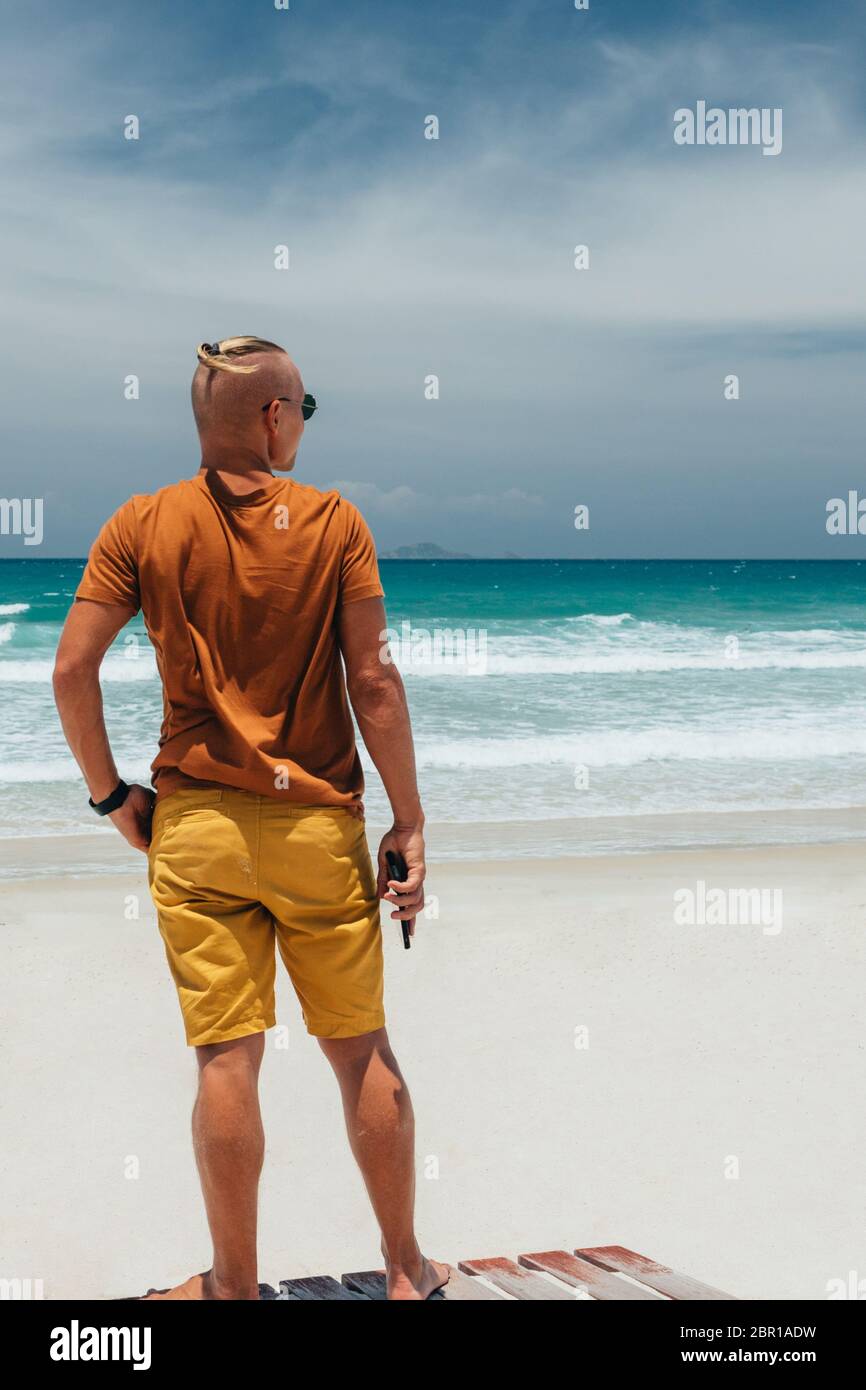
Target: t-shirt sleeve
{"type": "Point", "coordinates": [359, 573]}
{"type": "Point", "coordinates": [111, 573]}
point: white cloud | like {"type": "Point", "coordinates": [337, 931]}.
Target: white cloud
{"type": "Point", "coordinates": [406, 503]}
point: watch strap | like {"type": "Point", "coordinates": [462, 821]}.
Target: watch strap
{"type": "Point", "coordinates": [111, 802]}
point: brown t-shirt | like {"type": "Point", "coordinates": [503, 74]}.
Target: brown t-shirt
{"type": "Point", "coordinates": [240, 597]}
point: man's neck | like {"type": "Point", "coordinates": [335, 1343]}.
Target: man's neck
{"type": "Point", "coordinates": [239, 472]}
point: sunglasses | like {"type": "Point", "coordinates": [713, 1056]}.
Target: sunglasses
{"type": "Point", "coordinates": [308, 404]}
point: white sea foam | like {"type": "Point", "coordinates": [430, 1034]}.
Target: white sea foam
{"type": "Point", "coordinates": [49, 770]}
{"type": "Point", "coordinates": [7, 610]}
{"type": "Point", "coordinates": [633, 662]}
{"type": "Point", "coordinates": [38, 670]}
{"type": "Point", "coordinates": [611, 748]}
{"type": "Point", "coordinates": [637, 660]}
{"type": "Point", "coordinates": [607, 619]}
{"type": "Point", "coordinates": [658, 648]}
{"type": "Point", "coordinates": [649, 648]}
{"type": "Point", "coordinates": [839, 737]}
{"type": "Point", "coordinates": [62, 770]}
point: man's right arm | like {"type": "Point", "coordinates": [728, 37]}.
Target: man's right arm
{"type": "Point", "coordinates": [88, 632]}
{"type": "Point", "coordinates": [379, 701]}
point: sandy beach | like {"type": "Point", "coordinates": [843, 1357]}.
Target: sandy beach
{"type": "Point", "coordinates": [587, 1069]}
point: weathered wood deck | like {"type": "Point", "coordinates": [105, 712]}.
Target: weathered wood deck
{"type": "Point", "coordinates": [603, 1273]}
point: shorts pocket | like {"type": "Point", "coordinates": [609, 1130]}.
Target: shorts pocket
{"type": "Point", "coordinates": [184, 802]}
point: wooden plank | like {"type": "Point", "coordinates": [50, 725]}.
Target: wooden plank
{"type": "Point", "coordinates": [459, 1289]}
{"type": "Point", "coordinates": [318, 1288]}
{"type": "Point", "coordinates": [599, 1283]}
{"type": "Point", "coordinates": [369, 1282]}
{"type": "Point", "coordinates": [513, 1279]}
{"type": "Point", "coordinates": [649, 1272]}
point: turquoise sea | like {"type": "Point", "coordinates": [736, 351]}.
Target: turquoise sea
{"type": "Point", "coordinates": [548, 691]}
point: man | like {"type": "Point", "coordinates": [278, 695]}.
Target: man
{"type": "Point", "coordinates": [252, 587]}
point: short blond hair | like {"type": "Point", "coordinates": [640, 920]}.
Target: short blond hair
{"type": "Point", "coordinates": [221, 356]}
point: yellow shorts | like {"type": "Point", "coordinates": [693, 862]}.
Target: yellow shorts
{"type": "Point", "coordinates": [231, 873]}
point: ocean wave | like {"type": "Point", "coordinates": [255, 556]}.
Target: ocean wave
{"type": "Point", "coordinates": [38, 670]}
{"type": "Point", "coordinates": [614, 748]}
{"type": "Point", "coordinates": [608, 619]}
{"type": "Point", "coordinates": [635, 662]}
{"type": "Point", "coordinates": [643, 661]}
{"type": "Point", "coordinates": [600, 644]}
{"type": "Point", "coordinates": [810, 634]}
{"type": "Point", "coordinates": [22, 773]}
{"type": "Point", "coordinates": [843, 737]}
{"type": "Point", "coordinates": [595, 644]}
{"type": "Point", "coordinates": [7, 610]}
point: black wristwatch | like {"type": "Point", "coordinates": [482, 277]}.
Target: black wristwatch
{"type": "Point", "coordinates": [111, 803]}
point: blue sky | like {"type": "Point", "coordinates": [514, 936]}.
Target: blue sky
{"type": "Point", "coordinates": [454, 257]}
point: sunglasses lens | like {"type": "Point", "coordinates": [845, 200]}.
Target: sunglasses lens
{"type": "Point", "coordinates": [308, 407]}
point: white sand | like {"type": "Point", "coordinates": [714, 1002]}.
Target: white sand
{"type": "Point", "coordinates": [706, 1044]}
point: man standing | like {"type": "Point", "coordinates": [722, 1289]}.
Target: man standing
{"type": "Point", "coordinates": [252, 587]}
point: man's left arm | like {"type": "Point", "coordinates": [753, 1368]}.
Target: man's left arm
{"type": "Point", "coordinates": [89, 631]}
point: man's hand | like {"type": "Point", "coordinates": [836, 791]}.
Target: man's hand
{"type": "Point", "coordinates": [134, 816]}
{"type": "Point", "coordinates": [407, 897]}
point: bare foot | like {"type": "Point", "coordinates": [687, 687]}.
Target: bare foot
{"type": "Point", "coordinates": [415, 1279]}
{"type": "Point", "coordinates": [198, 1288]}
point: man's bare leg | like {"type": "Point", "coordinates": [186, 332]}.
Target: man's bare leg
{"type": "Point", "coordinates": [229, 1148]}
{"type": "Point", "coordinates": [381, 1126]}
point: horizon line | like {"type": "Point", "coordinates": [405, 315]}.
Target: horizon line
{"type": "Point", "coordinates": [537, 559]}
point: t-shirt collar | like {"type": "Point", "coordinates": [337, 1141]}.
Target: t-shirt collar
{"type": "Point", "coordinates": [217, 488]}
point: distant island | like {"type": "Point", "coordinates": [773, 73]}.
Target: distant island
{"type": "Point", "coordinates": [424, 550]}
{"type": "Point", "coordinates": [427, 550]}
